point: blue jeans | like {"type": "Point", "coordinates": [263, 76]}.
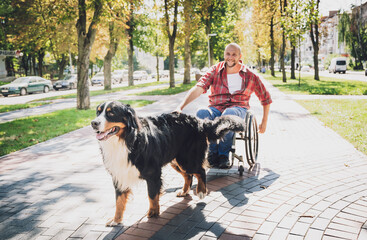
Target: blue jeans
{"type": "Point", "coordinates": [225, 144]}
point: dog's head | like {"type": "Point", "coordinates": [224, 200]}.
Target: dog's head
{"type": "Point", "coordinates": [114, 119]}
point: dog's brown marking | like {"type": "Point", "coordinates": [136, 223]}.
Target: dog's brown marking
{"type": "Point", "coordinates": [153, 206]}
{"type": "Point", "coordinates": [99, 109]}
{"type": "Point", "coordinates": [110, 125]}
{"type": "Point", "coordinates": [121, 205]}
{"type": "Point", "coordinates": [108, 109]}
{"type": "Point", "coordinates": [186, 176]}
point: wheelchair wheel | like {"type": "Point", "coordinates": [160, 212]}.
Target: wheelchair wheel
{"type": "Point", "coordinates": [251, 139]}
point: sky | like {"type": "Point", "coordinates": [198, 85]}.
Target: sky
{"type": "Point", "coordinates": [329, 5]}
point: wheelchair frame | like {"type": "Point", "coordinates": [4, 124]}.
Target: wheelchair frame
{"type": "Point", "coordinates": [251, 138]}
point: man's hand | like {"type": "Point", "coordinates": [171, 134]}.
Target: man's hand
{"type": "Point", "coordinates": [177, 110]}
{"type": "Point", "coordinates": [262, 127]}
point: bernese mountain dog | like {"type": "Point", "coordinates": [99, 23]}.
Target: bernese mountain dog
{"type": "Point", "coordinates": [136, 148]}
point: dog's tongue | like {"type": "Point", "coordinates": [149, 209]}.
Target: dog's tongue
{"type": "Point", "coordinates": [100, 136]}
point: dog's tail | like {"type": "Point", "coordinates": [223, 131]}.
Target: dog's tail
{"type": "Point", "coordinates": [219, 127]}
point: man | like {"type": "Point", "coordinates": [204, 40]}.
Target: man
{"type": "Point", "coordinates": [231, 85]}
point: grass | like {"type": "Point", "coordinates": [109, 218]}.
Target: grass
{"type": "Point", "coordinates": [25, 132]}
{"type": "Point", "coordinates": [169, 91]}
{"type": "Point", "coordinates": [326, 85]}
{"type": "Point", "coordinates": [346, 117]}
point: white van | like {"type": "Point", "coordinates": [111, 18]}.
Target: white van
{"type": "Point", "coordinates": [338, 64]}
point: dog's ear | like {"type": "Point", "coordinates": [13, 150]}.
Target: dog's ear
{"type": "Point", "coordinates": [132, 119]}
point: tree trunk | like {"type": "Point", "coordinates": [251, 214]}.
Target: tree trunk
{"type": "Point", "coordinates": [130, 47]}
{"type": "Point", "coordinates": [171, 63]}
{"type": "Point", "coordinates": [282, 53]}
{"type": "Point", "coordinates": [171, 39]}
{"type": "Point", "coordinates": [85, 43]}
{"type": "Point", "coordinates": [130, 53]}
{"type": "Point", "coordinates": [157, 57]}
{"type": "Point", "coordinates": [293, 61]}
{"type": "Point", "coordinates": [107, 71]}
{"type": "Point", "coordinates": [187, 30]}
{"type": "Point", "coordinates": [187, 75]}
{"type": "Point", "coordinates": [108, 58]}
{"type": "Point", "coordinates": [314, 33]}
{"type": "Point", "coordinates": [283, 5]}
{"type": "Point", "coordinates": [272, 47]}
{"type": "Point", "coordinates": [61, 64]}
{"type": "Point", "coordinates": [40, 56]}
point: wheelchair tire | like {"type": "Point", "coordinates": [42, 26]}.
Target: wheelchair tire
{"type": "Point", "coordinates": [251, 139]}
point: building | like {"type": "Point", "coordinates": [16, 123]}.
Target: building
{"type": "Point", "coordinates": [329, 43]}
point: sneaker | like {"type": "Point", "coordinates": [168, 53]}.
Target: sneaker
{"type": "Point", "coordinates": [224, 162]}
{"type": "Point", "coordinates": [213, 159]}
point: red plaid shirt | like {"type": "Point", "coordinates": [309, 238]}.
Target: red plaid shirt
{"type": "Point", "coordinates": [220, 98]}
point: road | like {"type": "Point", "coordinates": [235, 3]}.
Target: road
{"type": "Point", "coordinates": [16, 99]}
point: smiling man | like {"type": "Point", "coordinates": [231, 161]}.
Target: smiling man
{"type": "Point", "coordinates": [231, 85]}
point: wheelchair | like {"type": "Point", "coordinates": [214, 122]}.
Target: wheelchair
{"type": "Point", "coordinates": [250, 140]}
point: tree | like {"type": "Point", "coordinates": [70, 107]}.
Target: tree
{"type": "Point", "coordinates": [295, 26]}
{"type": "Point", "coordinates": [283, 6]}
{"type": "Point", "coordinates": [171, 6]}
{"type": "Point", "coordinates": [268, 13]}
{"type": "Point", "coordinates": [313, 22]}
{"type": "Point", "coordinates": [86, 39]}
{"type": "Point", "coordinates": [115, 24]}
{"type": "Point", "coordinates": [149, 33]}
{"type": "Point", "coordinates": [188, 14]}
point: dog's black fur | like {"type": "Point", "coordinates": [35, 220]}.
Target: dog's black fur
{"type": "Point", "coordinates": [152, 142]}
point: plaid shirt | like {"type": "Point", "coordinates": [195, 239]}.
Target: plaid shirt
{"type": "Point", "coordinates": [220, 98]}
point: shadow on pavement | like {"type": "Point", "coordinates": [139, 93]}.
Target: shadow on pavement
{"type": "Point", "coordinates": [27, 206]}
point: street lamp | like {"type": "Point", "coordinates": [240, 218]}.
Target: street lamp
{"type": "Point", "coordinates": [210, 35]}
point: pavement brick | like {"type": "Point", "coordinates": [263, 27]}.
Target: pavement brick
{"type": "Point", "coordinates": [309, 184]}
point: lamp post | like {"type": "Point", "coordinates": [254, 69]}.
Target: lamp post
{"type": "Point", "coordinates": [210, 35]}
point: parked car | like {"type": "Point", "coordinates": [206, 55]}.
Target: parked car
{"type": "Point", "coordinates": [98, 79]}
{"type": "Point", "coordinates": [305, 68]}
{"type": "Point", "coordinates": [69, 82]}
{"type": "Point", "coordinates": [164, 74]}
{"type": "Point", "coordinates": [140, 75]}
{"type": "Point", "coordinates": [24, 85]}
{"type": "Point", "coordinates": [321, 67]}
{"type": "Point", "coordinates": [365, 72]}
{"type": "Point", "coordinates": [121, 75]}
{"type": "Point", "coordinates": [338, 64]}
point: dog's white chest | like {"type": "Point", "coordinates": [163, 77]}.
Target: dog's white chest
{"type": "Point", "coordinates": [115, 155]}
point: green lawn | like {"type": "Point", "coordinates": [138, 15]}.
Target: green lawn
{"type": "Point", "coordinates": [170, 91]}
{"type": "Point", "coordinates": [21, 133]}
{"type": "Point", "coordinates": [346, 117]}
{"type": "Point", "coordinates": [8, 108]}
{"type": "Point", "coordinates": [326, 86]}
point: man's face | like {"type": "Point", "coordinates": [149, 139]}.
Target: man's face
{"type": "Point", "coordinates": [231, 56]}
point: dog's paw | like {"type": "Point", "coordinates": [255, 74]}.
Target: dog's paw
{"type": "Point", "coordinates": [111, 223]}
{"type": "Point", "coordinates": [181, 194]}
{"type": "Point", "coordinates": [201, 195]}
{"type": "Point", "coordinates": [153, 213]}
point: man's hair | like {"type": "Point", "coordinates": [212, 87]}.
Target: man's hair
{"type": "Point", "coordinates": [234, 45]}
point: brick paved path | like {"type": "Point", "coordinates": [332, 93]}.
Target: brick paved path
{"type": "Point", "coordinates": [309, 184]}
